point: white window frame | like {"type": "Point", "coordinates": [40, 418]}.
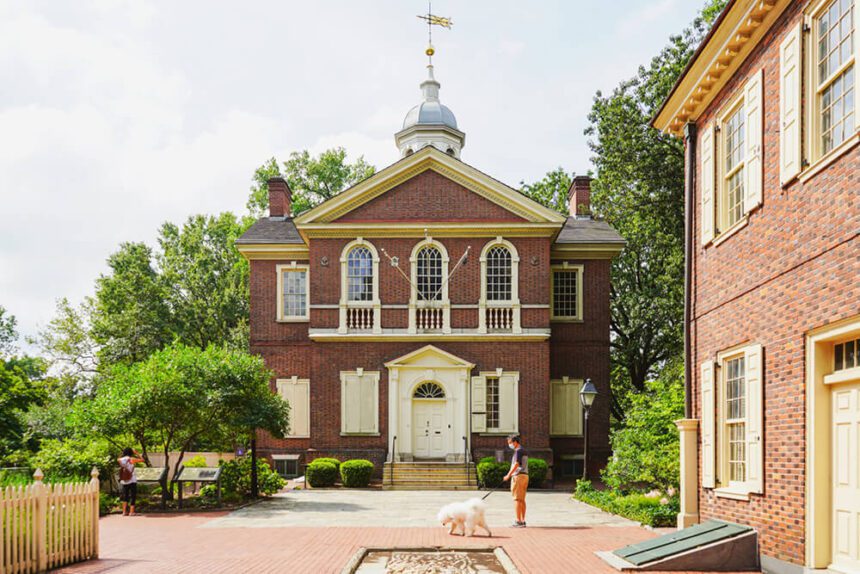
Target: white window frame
{"type": "Point", "coordinates": [578, 270]}
{"type": "Point", "coordinates": [575, 386]}
{"type": "Point", "coordinates": [281, 385]}
{"type": "Point", "coordinates": [345, 304]}
{"type": "Point", "coordinates": [371, 377]}
{"type": "Point", "coordinates": [479, 402]}
{"type": "Point", "coordinates": [723, 225]}
{"type": "Point", "coordinates": [514, 302]}
{"type": "Point", "coordinates": [293, 268]}
{"type": "Point", "coordinates": [415, 303]}
{"type": "Point", "coordinates": [726, 423]}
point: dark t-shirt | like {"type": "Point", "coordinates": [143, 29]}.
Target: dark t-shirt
{"type": "Point", "coordinates": [521, 457]}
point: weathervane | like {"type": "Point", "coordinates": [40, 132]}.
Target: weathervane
{"type": "Point", "coordinates": [433, 20]}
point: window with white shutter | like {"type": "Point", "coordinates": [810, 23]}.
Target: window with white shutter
{"type": "Point", "coordinates": [790, 97]}
{"type": "Point", "coordinates": [359, 402]}
{"type": "Point", "coordinates": [708, 426]}
{"type": "Point", "coordinates": [296, 392]}
{"type": "Point", "coordinates": [707, 175]}
{"type": "Point", "coordinates": [565, 407]}
{"type": "Point", "coordinates": [495, 402]}
{"type": "Point", "coordinates": [753, 175]}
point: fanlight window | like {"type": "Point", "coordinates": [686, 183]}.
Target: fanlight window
{"type": "Point", "coordinates": [429, 391]}
{"type": "Point", "coordinates": [499, 274]}
{"type": "Point", "coordinates": [429, 274]}
{"type": "Point", "coordinates": [359, 275]}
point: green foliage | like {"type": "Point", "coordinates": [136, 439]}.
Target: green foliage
{"type": "Point", "coordinates": [491, 473]}
{"type": "Point", "coordinates": [333, 461]}
{"type": "Point", "coordinates": [312, 180]}
{"type": "Point", "coordinates": [107, 503]}
{"type": "Point", "coordinates": [15, 477]}
{"type": "Point", "coordinates": [198, 461]}
{"type": "Point", "coordinates": [654, 511]}
{"type": "Point", "coordinates": [646, 450]}
{"type": "Point", "coordinates": [319, 474]}
{"type": "Point", "coordinates": [8, 332]}
{"type": "Point", "coordinates": [62, 460]}
{"type": "Point", "coordinates": [356, 473]}
{"type": "Point", "coordinates": [537, 472]}
{"type": "Point", "coordinates": [21, 387]}
{"type": "Point", "coordinates": [236, 477]}
{"type": "Point", "coordinates": [551, 191]}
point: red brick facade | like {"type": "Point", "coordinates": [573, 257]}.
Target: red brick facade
{"type": "Point", "coordinates": [792, 268]}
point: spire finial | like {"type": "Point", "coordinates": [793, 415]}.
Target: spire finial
{"type": "Point", "coordinates": [431, 21]}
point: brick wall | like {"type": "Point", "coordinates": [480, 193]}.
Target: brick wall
{"type": "Point", "coordinates": [793, 267]}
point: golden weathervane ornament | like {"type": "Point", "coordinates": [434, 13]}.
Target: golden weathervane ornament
{"type": "Point", "coordinates": [433, 20]}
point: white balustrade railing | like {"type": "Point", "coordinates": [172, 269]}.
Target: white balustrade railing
{"type": "Point", "coordinates": [429, 319]}
{"type": "Point", "coordinates": [499, 318]}
{"type": "Point", "coordinates": [360, 318]}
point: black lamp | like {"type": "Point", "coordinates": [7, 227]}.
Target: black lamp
{"type": "Point", "coordinates": [587, 394]}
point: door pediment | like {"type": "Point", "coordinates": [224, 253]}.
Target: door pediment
{"type": "Point", "coordinates": [430, 357]}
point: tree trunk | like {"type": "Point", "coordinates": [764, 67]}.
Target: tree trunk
{"type": "Point", "coordinates": [255, 491]}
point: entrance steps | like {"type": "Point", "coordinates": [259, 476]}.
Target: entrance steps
{"type": "Point", "coordinates": [422, 475]}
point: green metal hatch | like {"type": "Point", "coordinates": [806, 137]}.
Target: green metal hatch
{"type": "Point", "coordinates": [690, 538]}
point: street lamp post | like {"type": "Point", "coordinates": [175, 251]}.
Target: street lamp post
{"type": "Point", "coordinates": [587, 394]}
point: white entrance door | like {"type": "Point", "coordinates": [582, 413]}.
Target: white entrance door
{"type": "Point", "coordinates": [428, 428]}
{"type": "Point", "coordinates": [846, 478]}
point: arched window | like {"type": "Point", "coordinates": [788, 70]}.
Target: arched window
{"type": "Point", "coordinates": [499, 274]}
{"type": "Point", "coordinates": [359, 274]}
{"type": "Point", "coordinates": [429, 274]}
{"type": "Point", "coordinates": [429, 391]}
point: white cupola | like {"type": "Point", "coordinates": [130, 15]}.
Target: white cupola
{"type": "Point", "coordinates": [430, 123]}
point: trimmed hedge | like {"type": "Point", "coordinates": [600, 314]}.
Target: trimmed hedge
{"type": "Point", "coordinates": [635, 506]}
{"type": "Point", "coordinates": [491, 473]}
{"type": "Point", "coordinates": [537, 472]}
{"type": "Point", "coordinates": [320, 474]}
{"type": "Point", "coordinates": [333, 461]}
{"type": "Point", "coordinates": [356, 473]}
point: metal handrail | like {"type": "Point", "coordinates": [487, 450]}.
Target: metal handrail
{"type": "Point", "coordinates": [466, 461]}
{"type": "Point", "coordinates": [393, 456]}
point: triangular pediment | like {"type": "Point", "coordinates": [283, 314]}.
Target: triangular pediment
{"type": "Point", "coordinates": [364, 201]}
{"type": "Point", "coordinates": [430, 357]}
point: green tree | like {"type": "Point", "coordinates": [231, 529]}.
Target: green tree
{"type": "Point", "coordinates": [20, 387]}
{"type": "Point", "coordinates": [312, 179]}
{"type": "Point", "coordinates": [551, 191]}
{"type": "Point", "coordinates": [67, 343]}
{"type": "Point", "coordinates": [8, 332]}
{"type": "Point", "coordinates": [639, 189]}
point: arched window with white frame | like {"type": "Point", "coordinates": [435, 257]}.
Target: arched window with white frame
{"type": "Point", "coordinates": [359, 301]}
{"type": "Point", "coordinates": [499, 307]}
{"type": "Point", "coordinates": [429, 307]}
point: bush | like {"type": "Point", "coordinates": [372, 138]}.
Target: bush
{"type": "Point", "coordinates": [198, 461]}
{"type": "Point", "coordinates": [333, 461]}
{"type": "Point", "coordinates": [62, 460]}
{"type": "Point", "coordinates": [356, 473]}
{"type": "Point", "coordinates": [236, 477]}
{"type": "Point", "coordinates": [537, 472]}
{"type": "Point", "coordinates": [107, 502]}
{"type": "Point", "coordinates": [649, 510]}
{"type": "Point", "coordinates": [320, 474]}
{"type": "Point", "coordinates": [491, 473]}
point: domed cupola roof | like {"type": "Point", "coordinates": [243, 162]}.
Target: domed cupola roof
{"type": "Point", "coordinates": [430, 123]}
{"type": "Point", "coordinates": [431, 111]}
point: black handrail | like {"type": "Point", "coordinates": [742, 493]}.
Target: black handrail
{"type": "Point", "coordinates": [393, 457]}
{"type": "Point", "coordinates": [466, 461]}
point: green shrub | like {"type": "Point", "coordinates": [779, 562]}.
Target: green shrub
{"type": "Point", "coordinates": [487, 459]}
{"type": "Point", "coordinates": [537, 472]}
{"type": "Point", "coordinates": [107, 502]}
{"type": "Point", "coordinates": [320, 474]}
{"type": "Point", "coordinates": [62, 460]}
{"type": "Point", "coordinates": [356, 473]}
{"type": "Point", "coordinates": [198, 461]}
{"type": "Point", "coordinates": [333, 461]}
{"type": "Point", "coordinates": [491, 473]}
{"type": "Point", "coordinates": [649, 510]}
{"type": "Point", "coordinates": [236, 477]}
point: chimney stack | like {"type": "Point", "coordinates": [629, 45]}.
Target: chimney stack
{"type": "Point", "coordinates": [578, 196]}
{"type": "Point", "coordinates": [280, 197]}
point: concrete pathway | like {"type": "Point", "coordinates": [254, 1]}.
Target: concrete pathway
{"type": "Point", "coordinates": [403, 509]}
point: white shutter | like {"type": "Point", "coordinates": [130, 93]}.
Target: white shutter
{"type": "Point", "coordinates": [707, 174]}
{"type": "Point", "coordinates": [755, 407]}
{"type": "Point", "coordinates": [753, 141]}
{"type": "Point", "coordinates": [350, 403]}
{"type": "Point", "coordinates": [789, 105]}
{"type": "Point", "coordinates": [296, 393]}
{"type": "Point", "coordinates": [479, 404]}
{"type": "Point", "coordinates": [708, 429]}
{"type": "Point", "coordinates": [856, 19]}
{"type": "Point", "coordinates": [508, 402]}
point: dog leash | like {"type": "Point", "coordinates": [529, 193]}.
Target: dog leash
{"type": "Point", "coordinates": [493, 490]}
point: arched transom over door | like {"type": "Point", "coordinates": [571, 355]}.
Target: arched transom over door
{"type": "Point", "coordinates": [428, 421]}
{"type": "Point", "coordinates": [429, 391]}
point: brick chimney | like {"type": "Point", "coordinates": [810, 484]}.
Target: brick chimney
{"type": "Point", "coordinates": [578, 196]}
{"type": "Point", "coordinates": [280, 197]}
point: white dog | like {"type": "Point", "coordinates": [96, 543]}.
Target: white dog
{"type": "Point", "coordinates": [464, 515]}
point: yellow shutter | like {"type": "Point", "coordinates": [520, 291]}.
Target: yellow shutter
{"type": "Point", "coordinates": [754, 421]}
{"type": "Point", "coordinates": [508, 402]}
{"type": "Point", "coordinates": [300, 416]}
{"type": "Point", "coordinates": [754, 126]}
{"type": "Point", "coordinates": [558, 408]}
{"type": "Point", "coordinates": [789, 105]}
{"type": "Point", "coordinates": [479, 404]}
{"type": "Point", "coordinates": [708, 428]}
{"type": "Point", "coordinates": [575, 408]}
{"type": "Point", "coordinates": [707, 174]}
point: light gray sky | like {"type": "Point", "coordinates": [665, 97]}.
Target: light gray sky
{"type": "Point", "coordinates": [118, 115]}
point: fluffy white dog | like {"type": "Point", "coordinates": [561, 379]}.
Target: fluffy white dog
{"type": "Point", "coordinates": [466, 516]}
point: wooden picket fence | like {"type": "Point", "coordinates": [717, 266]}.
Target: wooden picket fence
{"type": "Point", "coordinates": [48, 525]}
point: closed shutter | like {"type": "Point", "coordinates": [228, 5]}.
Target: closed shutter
{"type": "Point", "coordinates": [360, 403]}
{"type": "Point", "coordinates": [296, 393]}
{"type": "Point", "coordinates": [565, 408]}
{"type": "Point", "coordinates": [707, 175]}
{"type": "Point", "coordinates": [754, 125]}
{"type": "Point", "coordinates": [479, 404]}
{"type": "Point", "coordinates": [708, 429]}
{"type": "Point", "coordinates": [369, 400]}
{"type": "Point", "coordinates": [789, 105]}
{"type": "Point", "coordinates": [755, 408]}
{"type": "Point", "coordinates": [508, 402]}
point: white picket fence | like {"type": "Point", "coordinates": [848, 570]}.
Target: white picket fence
{"type": "Point", "coordinates": [48, 525]}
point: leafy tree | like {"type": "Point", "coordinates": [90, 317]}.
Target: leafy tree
{"type": "Point", "coordinates": [8, 332]}
{"type": "Point", "coordinates": [551, 191]}
{"type": "Point", "coordinates": [67, 343]}
{"type": "Point", "coordinates": [20, 387]}
{"type": "Point", "coordinates": [312, 180]}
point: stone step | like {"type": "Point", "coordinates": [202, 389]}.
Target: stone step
{"type": "Point", "coordinates": [426, 487]}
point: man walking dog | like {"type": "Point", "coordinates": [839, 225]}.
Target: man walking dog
{"type": "Point", "coordinates": [519, 477]}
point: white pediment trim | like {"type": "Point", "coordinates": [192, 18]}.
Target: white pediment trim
{"type": "Point", "coordinates": [432, 357]}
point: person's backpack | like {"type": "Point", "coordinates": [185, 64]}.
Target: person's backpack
{"type": "Point", "coordinates": [125, 471]}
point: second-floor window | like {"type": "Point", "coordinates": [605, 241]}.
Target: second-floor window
{"type": "Point", "coordinates": [499, 274]}
{"type": "Point", "coordinates": [429, 274]}
{"type": "Point", "coordinates": [359, 274]}
{"type": "Point", "coordinates": [731, 199]}
{"type": "Point", "coordinates": [292, 293]}
{"type": "Point", "coordinates": [834, 56]}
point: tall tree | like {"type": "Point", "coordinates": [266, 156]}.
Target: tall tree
{"type": "Point", "coordinates": [551, 191]}
{"type": "Point", "coordinates": [8, 332]}
{"type": "Point", "coordinates": [312, 179]}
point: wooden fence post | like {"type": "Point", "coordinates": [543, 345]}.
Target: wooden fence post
{"type": "Point", "coordinates": [94, 486]}
{"type": "Point", "coordinates": [40, 493]}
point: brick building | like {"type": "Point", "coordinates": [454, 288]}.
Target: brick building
{"type": "Point", "coordinates": [767, 108]}
{"type": "Point", "coordinates": [430, 310]}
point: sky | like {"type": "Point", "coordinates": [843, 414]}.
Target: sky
{"type": "Point", "coordinates": [118, 115]}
